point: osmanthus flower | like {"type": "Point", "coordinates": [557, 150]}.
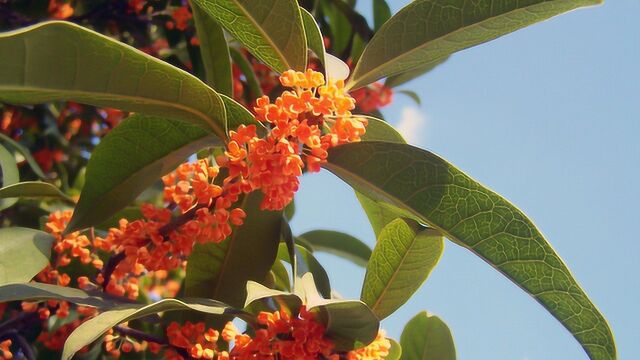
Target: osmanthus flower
{"type": "Point", "coordinates": [373, 96]}
{"type": "Point", "coordinates": [296, 331]}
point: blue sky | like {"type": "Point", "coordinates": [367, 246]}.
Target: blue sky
{"type": "Point", "coordinates": [549, 118]}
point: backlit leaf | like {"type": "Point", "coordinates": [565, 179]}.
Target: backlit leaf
{"type": "Point", "coordinates": [34, 189]}
{"type": "Point", "coordinates": [23, 253]}
{"type": "Point", "coordinates": [427, 187]}
{"type": "Point", "coordinates": [340, 244]}
{"type": "Point", "coordinates": [10, 175]}
{"type": "Point", "coordinates": [426, 337]}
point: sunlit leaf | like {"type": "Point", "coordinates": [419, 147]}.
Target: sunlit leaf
{"type": "Point", "coordinates": [307, 263]}
{"type": "Point", "coordinates": [426, 31]}
{"type": "Point", "coordinates": [426, 337]}
{"type": "Point", "coordinates": [129, 159]}
{"type": "Point", "coordinates": [404, 77]}
{"type": "Point", "coordinates": [395, 353]}
{"type": "Point", "coordinates": [39, 292]}
{"type": "Point", "coordinates": [427, 187]}
{"type": "Point", "coordinates": [271, 30]}
{"type": "Point", "coordinates": [94, 328]}
{"type": "Point", "coordinates": [63, 61]}
{"type": "Point", "coordinates": [23, 253]}
{"type": "Point", "coordinates": [403, 258]}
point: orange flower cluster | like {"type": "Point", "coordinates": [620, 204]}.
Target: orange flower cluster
{"type": "Point", "coordinates": [5, 352]}
{"type": "Point", "coordinates": [297, 119]}
{"type": "Point", "coordinates": [279, 336]}
{"type": "Point", "coordinates": [373, 97]}
{"type": "Point", "coordinates": [60, 10]}
{"type": "Point", "coordinates": [152, 244]}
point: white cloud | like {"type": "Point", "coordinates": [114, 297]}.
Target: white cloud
{"type": "Point", "coordinates": [412, 125]}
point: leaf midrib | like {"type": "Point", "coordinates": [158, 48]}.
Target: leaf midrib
{"type": "Point", "coordinates": [264, 34]}
{"type": "Point", "coordinates": [214, 126]}
{"type": "Point", "coordinates": [355, 81]}
{"type": "Point", "coordinates": [395, 273]}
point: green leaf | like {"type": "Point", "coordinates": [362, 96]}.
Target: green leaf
{"type": "Point", "coordinates": [427, 187]}
{"type": "Point", "coordinates": [412, 94]}
{"type": "Point", "coordinates": [129, 159]}
{"type": "Point", "coordinates": [395, 353]}
{"type": "Point", "coordinates": [214, 51]}
{"type": "Point", "coordinates": [59, 60]}
{"type": "Point", "coordinates": [258, 297]}
{"type": "Point", "coordinates": [426, 337]}
{"type": "Point", "coordinates": [349, 323]}
{"type": "Point", "coordinates": [404, 77]}
{"type": "Point", "coordinates": [340, 28]}
{"type": "Point", "coordinates": [290, 245]}
{"type": "Point", "coordinates": [220, 271]}
{"type": "Point", "coordinates": [339, 244]}
{"type": "Point", "coordinates": [34, 189]}
{"type": "Point", "coordinates": [255, 90]}
{"type": "Point", "coordinates": [402, 260]}
{"type": "Point", "coordinates": [25, 153]}
{"type": "Point", "coordinates": [426, 31]}
{"type": "Point", "coordinates": [381, 13]}
{"type": "Point", "coordinates": [314, 36]}
{"type": "Point", "coordinates": [10, 175]}
{"type": "Point", "coordinates": [380, 130]}
{"type": "Point", "coordinates": [94, 328]}
{"type": "Point", "coordinates": [39, 292]}
{"type": "Point", "coordinates": [271, 30]}
{"type": "Point", "coordinates": [239, 115]}
{"type": "Point", "coordinates": [281, 276]}
{"type": "Point", "coordinates": [23, 253]}
{"type": "Point", "coordinates": [307, 263]}
{"type": "Point", "coordinates": [378, 215]}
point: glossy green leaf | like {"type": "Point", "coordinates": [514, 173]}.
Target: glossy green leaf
{"type": "Point", "coordinates": [271, 30]}
{"type": "Point", "coordinates": [261, 298]}
{"type": "Point", "coordinates": [426, 31]}
{"type": "Point", "coordinates": [63, 61]}
{"type": "Point", "coordinates": [290, 246]}
{"type": "Point", "coordinates": [426, 337]}
{"type": "Point", "coordinates": [395, 353]}
{"type": "Point", "coordinates": [339, 244]}
{"type": "Point", "coordinates": [39, 292]}
{"type": "Point", "coordinates": [94, 328]}
{"type": "Point", "coordinates": [23, 253]}
{"type": "Point", "coordinates": [9, 142]}
{"type": "Point", "coordinates": [349, 323]}
{"type": "Point", "coordinates": [10, 175]}
{"type": "Point", "coordinates": [214, 51]}
{"type": "Point", "coordinates": [221, 271]}
{"type": "Point", "coordinates": [381, 13]}
{"type": "Point", "coordinates": [34, 189]}
{"type": "Point", "coordinates": [379, 216]}
{"type": "Point", "coordinates": [129, 159]}
{"type": "Point", "coordinates": [403, 258]}
{"type": "Point", "coordinates": [427, 187]}
{"type": "Point", "coordinates": [404, 77]}
{"type": "Point", "coordinates": [315, 42]}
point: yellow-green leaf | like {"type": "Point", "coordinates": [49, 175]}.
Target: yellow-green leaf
{"type": "Point", "coordinates": [426, 337]}
{"type": "Point", "coordinates": [23, 253]}
{"type": "Point", "coordinates": [271, 30]}
{"type": "Point", "coordinates": [34, 189]}
{"type": "Point", "coordinates": [403, 258]}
